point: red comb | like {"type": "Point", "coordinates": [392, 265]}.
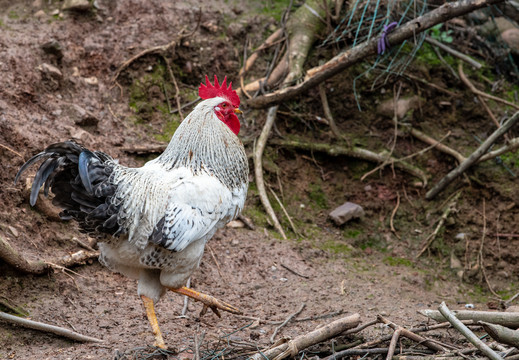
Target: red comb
{"type": "Point", "coordinates": [209, 91]}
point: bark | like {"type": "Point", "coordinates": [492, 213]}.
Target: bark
{"type": "Point", "coordinates": [502, 334]}
{"type": "Point", "coordinates": [510, 319]}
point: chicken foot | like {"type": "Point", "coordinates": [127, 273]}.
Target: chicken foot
{"type": "Point", "coordinates": [152, 318]}
{"type": "Point", "coordinates": [209, 301]}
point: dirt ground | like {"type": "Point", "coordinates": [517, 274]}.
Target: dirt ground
{"type": "Point", "coordinates": [361, 267]}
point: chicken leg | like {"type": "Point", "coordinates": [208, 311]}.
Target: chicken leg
{"type": "Point", "coordinates": [209, 301]}
{"type": "Point", "coordinates": [152, 318]}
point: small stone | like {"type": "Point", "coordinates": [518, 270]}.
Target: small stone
{"type": "Point", "coordinates": [50, 75]}
{"type": "Point", "coordinates": [13, 230]}
{"type": "Point", "coordinates": [53, 47]}
{"type": "Point", "coordinates": [511, 38]}
{"type": "Point", "coordinates": [455, 262]}
{"type": "Point", "coordinates": [81, 116]}
{"type": "Point", "coordinates": [235, 224]}
{"type": "Point", "coordinates": [76, 5]}
{"type": "Point", "coordinates": [403, 106]}
{"type": "Point", "coordinates": [40, 14]}
{"type": "Point", "coordinates": [460, 236]}
{"type": "Point", "coordinates": [346, 212]}
{"type": "Point", "coordinates": [91, 81]}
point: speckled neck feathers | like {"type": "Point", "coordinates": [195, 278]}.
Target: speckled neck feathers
{"type": "Point", "coordinates": [204, 143]}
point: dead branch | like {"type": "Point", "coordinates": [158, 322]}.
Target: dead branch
{"type": "Point", "coordinates": [444, 217]}
{"type": "Point", "coordinates": [303, 341]}
{"type": "Point", "coordinates": [360, 52]}
{"type": "Point", "coordinates": [437, 144]}
{"type": "Point", "coordinates": [355, 152]}
{"type": "Point", "coordinates": [287, 320]}
{"type": "Point", "coordinates": [271, 40]}
{"type": "Point", "coordinates": [472, 158]}
{"type": "Point", "coordinates": [510, 319]}
{"type": "Point", "coordinates": [465, 331]}
{"type": "Point", "coordinates": [328, 113]}
{"type": "Point", "coordinates": [47, 328]}
{"type": "Point", "coordinates": [482, 93]}
{"type": "Point", "coordinates": [275, 78]}
{"type": "Point", "coordinates": [258, 169]}
{"type": "Point", "coordinates": [502, 334]}
{"type": "Point", "coordinates": [13, 258]}
{"type": "Point", "coordinates": [410, 335]}
{"type": "Point", "coordinates": [512, 145]}
{"type": "Point", "coordinates": [453, 52]}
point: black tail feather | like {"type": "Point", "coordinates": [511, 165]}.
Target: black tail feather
{"type": "Point", "coordinates": [80, 181]}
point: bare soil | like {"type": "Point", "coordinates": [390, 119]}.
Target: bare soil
{"type": "Point", "coordinates": [361, 267]}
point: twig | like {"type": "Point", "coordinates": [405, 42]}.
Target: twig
{"type": "Point", "coordinates": [437, 144]}
{"type": "Point", "coordinates": [480, 252]}
{"type": "Point", "coordinates": [509, 301]}
{"type": "Point", "coordinates": [444, 217]}
{"type": "Point", "coordinates": [512, 145]}
{"type": "Point", "coordinates": [472, 158]}
{"type": "Point", "coordinates": [246, 221]}
{"type": "Point", "coordinates": [328, 113]}
{"type": "Point", "coordinates": [271, 40]}
{"type": "Point", "coordinates": [393, 213]}
{"type": "Point", "coordinates": [286, 322]}
{"type": "Point", "coordinates": [217, 264]}
{"type": "Point", "coordinates": [11, 150]}
{"type": "Point", "coordinates": [478, 93]}
{"type": "Point", "coordinates": [510, 319]}
{"type": "Point", "coordinates": [360, 52]}
{"type": "Point", "coordinates": [177, 93]}
{"type": "Point", "coordinates": [186, 300]}
{"type": "Point", "coordinates": [392, 344]}
{"type": "Point", "coordinates": [482, 93]}
{"type": "Point", "coordinates": [198, 342]}
{"type": "Point", "coordinates": [465, 331]}
{"type": "Point", "coordinates": [258, 169]}
{"type": "Point", "coordinates": [410, 335]}
{"type": "Point", "coordinates": [285, 212]}
{"type": "Point", "coordinates": [13, 258]}
{"type": "Point", "coordinates": [294, 272]}
{"type": "Point", "coordinates": [47, 328]}
{"type": "Point", "coordinates": [453, 52]}
{"type": "Point", "coordinates": [303, 341]}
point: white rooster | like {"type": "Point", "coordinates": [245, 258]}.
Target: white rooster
{"type": "Point", "coordinates": [154, 221]}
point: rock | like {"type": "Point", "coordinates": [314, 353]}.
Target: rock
{"type": "Point", "coordinates": [51, 75]}
{"type": "Point", "coordinates": [455, 262]}
{"type": "Point", "coordinates": [76, 5]}
{"type": "Point", "coordinates": [403, 106]}
{"type": "Point", "coordinates": [235, 224]}
{"type": "Point", "coordinates": [511, 38]}
{"type": "Point", "coordinates": [495, 27]}
{"type": "Point", "coordinates": [14, 231]}
{"type": "Point", "coordinates": [81, 116]}
{"type": "Point", "coordinates": [37, 4]}
{"type": "Point", "coordinates": [53, 47]}
{"type": "Point", "coordinates": [346, 212]}
{"type": "Point", "coordinates": [40, 14]}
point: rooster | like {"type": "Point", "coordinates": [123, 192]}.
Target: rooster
{"type": "Point", "coordinates": [153, 222]}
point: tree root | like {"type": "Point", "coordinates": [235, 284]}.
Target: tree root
{"type": "Point", "coordinates": [17, 261]}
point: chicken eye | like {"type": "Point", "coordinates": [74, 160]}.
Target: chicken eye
{"type": "Point", "coordinates": [224, 105]}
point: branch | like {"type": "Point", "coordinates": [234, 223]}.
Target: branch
{"type": "Point", "coordinates": [502, 334]}
{"type": "Point", "coordinates": [360, 52]}
{"type": "Point", "coordinates": [465, 331]}
{"type": "Point", "coordinates": [47, 328]}
{"type": "Point", "coordinates": [355, 152]}
{"type": "Point", "coordinates": [510, 319]}
{"type": "Point", "coordinates": [303, 341]}
{"type": "Point", "coordinates": [472, 158]}
{"type": "Point", "coordinates": [258, 169]}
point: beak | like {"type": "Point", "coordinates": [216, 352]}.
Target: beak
{"type": "Point", "coordinates": [238, 111]}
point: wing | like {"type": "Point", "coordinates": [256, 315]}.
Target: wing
{"type": "Point", "coordinates": [196, 208]}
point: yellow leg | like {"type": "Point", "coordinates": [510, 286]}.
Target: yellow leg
{"type": "Point", "coordinates": [208, 301]}
{"type": "Point", "coordinates": [152, 318]}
